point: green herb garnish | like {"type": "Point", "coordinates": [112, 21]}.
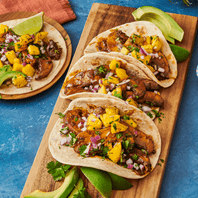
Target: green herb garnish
{"type": "Point", "coordinates": [118, 135]}
{"type": "Point", "coordinates": [60, 115]}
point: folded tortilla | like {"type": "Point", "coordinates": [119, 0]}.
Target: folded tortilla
{"type": "Point", "coordinates": [53, 34]}
{"type": "Point", "coordinates": [67, 155]}
{"type": "Point", "coordinates": [92, 61]}
{"type": "Point", "coordinates": [143, 28]}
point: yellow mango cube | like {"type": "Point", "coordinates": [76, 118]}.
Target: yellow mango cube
{"type": "Point", "coordinates": [136, 54]}
{"type": "Point", "coordinates": [117, 127]}
{"type": "Point", "coordinates": [10, 56]}
{"type": "Point", "coordinates": [19, 47]}
{"type": "Point", "coordinates": [17, 60]}
{"type": "Point", "coordinates": [107, 119]}
{"type": "Point", "coordinates": [146, 59]}
{"type": "Point", "coordinates": [114, 64]}
{"type": "Point", "coordinates": [156, 43]}
{"type": "Point", "coordinates": [39, 37]}
{"type": "Point", "coordinates": [3, 29]}
{"type": "Point", "coordinates": [17, 67]}
{"type": "Point", "coordinates": [19, 81]}
{"type": "Point", "coordinates": [105, 82]}
{"type": "Point", "coordinates": [112, 110]}
{"type": "Point", "coordinates": [115, 153]}
{"type": "Point", "coordinates": [33, 50]}
{"type": "Point", "coordinates": [132, 102]}
{"type": "Point", "coordinates": [121, 73]}
{"type": "Point", "coordinates": [25, 39]}
{"type": "Point", "coordinates": [148, 48]}
{"type": "Point", "coordinates": [137, 39]}
{"type": "Point", "coordinates": [109, 145]}
{"type": "Point", "coordinates": [1, 64]}
{"type": "Point", "coordinates": [93, 122]}
{"type": "Point", "coordinates": [113, 80]}
{"type": "Point", "coordinates": [102, 90]}
{"type": "Point", "coordinates": [129, 121]}
{"type": "Point", "coordinates": [151, 68]}
{"type": "Point", "coordinates": [28, 70]}
{"type": "Point", "coordinates": [148, 40]}
{"type": "Point", "coordinates": [124, 50]}
{"type": "Point", "coordinates": [117, 92]}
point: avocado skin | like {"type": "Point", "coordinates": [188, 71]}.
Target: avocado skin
{"type": "Point", "coordinates": [5, 69]}
{"type": "Point", "coordinates": [119, 183]}
{"type": "Point", "coordinates": [175, 31]}
{"type": "Point", "coordinates": [10, 74]}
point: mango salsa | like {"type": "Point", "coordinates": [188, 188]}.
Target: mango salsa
{"type": "Point", "coordinates": [112, 110]}
{"type": "Point", "coordinates": [93, 122]}
{"type": "Point", "coordinates": [102, 90]}
{"type": "Point", "coordinates": [108, 119]}
{"type": "Point", "coordinates": [114, 64]}
{"type": "Point", "coordinates": [117, 127]}
{"type": "Point", "coordinates": [121, 73]}
{"type": "Point", "coordinates": [129, 121]}
{"type": "Point", "coordinates": [115, 153]}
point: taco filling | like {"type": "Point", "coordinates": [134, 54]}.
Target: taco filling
{"type": "Point", "coordinates": [26, 57]}
{"type": "Point", "coordinates": [113, 79]}
{"type": "Point", "coordinates": [106, 133]}
{"type": "Point", "coordinates": [146, 49]}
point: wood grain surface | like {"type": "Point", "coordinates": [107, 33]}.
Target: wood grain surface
{"type": "Point", "coordinates": [101, 18]}
{"type": "Point", "coordinates": [24, 14]}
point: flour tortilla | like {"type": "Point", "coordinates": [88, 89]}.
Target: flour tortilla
{"type": "Point", "coordinates": [67, 155]}
{"type": "Point", "coordinates": [92, 61]}
{"type": "Point", "coordinates": [53, 34]}
{"type": "Point", "coordinates": [143, 28]}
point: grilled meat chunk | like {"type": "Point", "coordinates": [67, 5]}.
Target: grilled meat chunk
{"type": "Point", "coordinates": [53, 50]}
{"type": "Point", "coordinates": [150, 85]}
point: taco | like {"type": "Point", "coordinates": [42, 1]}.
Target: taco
{"type": "Point", "coordinates": [107, 135]}
{"type": "Point", "coordinates": [99, 75]}
{"type": "Point", "coordinates": [143, 44]}
{"type": "Point", "coordinates": [29, 62]}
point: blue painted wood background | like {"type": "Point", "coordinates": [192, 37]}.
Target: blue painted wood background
{"type": "Point", "coordinates": [23, 122]}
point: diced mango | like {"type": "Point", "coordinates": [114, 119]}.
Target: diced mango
{"type": "Point", "coordinates": [17, 60]}
{"type": "Point", "coordinates": [121, 73]}
{"type": "Point", "coordinates": [11, 56]}
{"type": "Point", "coordinates": [109, 145]}
{"type": "Point", "coordinates": [28, 70]}
{"type": "Point", "coordinates": [151, 68]}
{"type": "Point", "coordinates": [3, 29]}
{"type": "Point", "coordinates": [137, 39]}
{"type": "Point", "coordinates": [17, 67]}
{"type": "Point", "coordinates": [93, 122]}
{"type": "Point", "coordinates": [136, 54]}
{"type": "Point", "coordinates": [39, 37]}
{"type": "Point", "coordinates": [1, 64]}
{"type": "Point", "coordinates": [115, 153]}
{"type": "Point", "coordinates": [113, 80]}
{"type": "Point", "coordinates": [124, 50]}
{"type": "Point", "coordinates": [129, 121]}
{"type": "Point", "coordinates": [112, 110]}
{"type": "Point", "coordinates": [132, 102]}
{"type": "Point", "coordinates": [19, 81]}
{"type": "Point", "coordinates": [102, 90]}
{"type": "Point", "coordinates": [156, 43]}
{"type": "Point", "coordinates": [117, 92]}
{"type": "Point", "coordinates": [146, 59]}
{"type": "Point", "coordinates": [148, 48]}
{"type": "Point", "coordinates": [107, 119]}
{"type": "Point", "coordinates": [25, 39]}
{"type": "Point", "coordinates": [105, 81]}
{"type": "Point", "coordinates": [19, 47]}
{"type": "Point", "coordinates": [33, 50]}
{"type": "Point", "coordinates": [117, 127]}
{"type": "Point", "coordinates": [114, 64]}
{"type": "Point", "coordinates": [148, 40]}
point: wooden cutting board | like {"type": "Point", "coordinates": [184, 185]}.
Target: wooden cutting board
{"type": "Point", "coordinates": [101, 18]}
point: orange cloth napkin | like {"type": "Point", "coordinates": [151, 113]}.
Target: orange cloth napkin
{"type": "Point", "coordinates": [59, 10]}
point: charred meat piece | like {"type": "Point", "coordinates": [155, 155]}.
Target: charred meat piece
{"type": "Point", "coordinates": [150, 85]}
{"type": "Point", "coordinates": [73, 90]}
{"type": "Point", "coordinates": [139, 88]}
{"type": "Point", "coordinates": [44, 68]}
{"type": "Point", "coordinates": [53, 50]}
{"type": "Point", "coordinates": [122, 36]}
{"type": "Point", "coordinates": [162, 62]}
{"type": "Point", "coordinates": [99, 110]}
{"type": "Point", "coordinates": [102, 44]}
{"type": "Point", "coordinates": [153, 98]}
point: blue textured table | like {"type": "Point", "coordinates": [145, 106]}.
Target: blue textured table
{"type": "Point", "coordinates": [23, 122]}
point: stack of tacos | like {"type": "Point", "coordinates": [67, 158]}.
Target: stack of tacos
{"type": "Point", "coordinates": [112, 86]}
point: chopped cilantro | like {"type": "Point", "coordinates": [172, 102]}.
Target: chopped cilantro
{"type": "Point", "coordinates": [11, 44]}
{"type": "Point", "coordinates": [0, 96]}
{"type": "Point", "coordinates": [137, 97]}
{"type": "Point", "coordinates": [20, 54]}
{"type": "Point", "coordinates": [144, 151]}
{"type": "Point", "coordinates": [150, 114]}
{"type": "Point", "coordinates": [162, 160]}
{"type": "Point", "coordinates": [135, 157]}
{"type": "Point", "coordinates": [97, 132]}
{"type": "Point", "coordinates": [81, 194]}
{"type": "Point", "coordinates": [126, 117]}
{"type": "Point", "coordinates": [102, 140]}
{"type": "Point", "coordinates": [60, 115]}
{"type": "Point", "coordinates": [114, 126]}
{"type": "Point", "coordinates": [104, 149]}
{"type": "Point", "coordinates": [57, 170]}
{"type": "Point", "coordinates": [126, 144]}
{"type": "Point", "coordinates": [118, 95]}
{"type": "Point", "coordinates": [76, 119]}
{"type": "Point", "coordinates": [65, 38]}
{"type": "Point", "coordinates": [102, 69]}
{"type": "Point", "coordinates": [118, 135]}
{"type": "Point", "coordinates": [117, 39]}
{"type": "Point", "coordinates": [159, 164]}
{"type": "Point", "coordinates": [135, 85]}
{"type": "Point", "coordinates": [82, 149]}
{"type": "Point", "coordinates": [56, 51]}
{"type": "Point", "coordinates": [117, 65]}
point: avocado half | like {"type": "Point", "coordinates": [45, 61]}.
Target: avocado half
{"type": "Point", "coordinates": [162, 20]}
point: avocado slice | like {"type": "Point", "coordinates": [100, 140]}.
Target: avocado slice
{"type": "Point", "coordinates": [78, 187]}
{"type": "Point", "coordinates": [10, 74]}
{"type": "Point", "coordinates": [71, 179]}
{"type": "Point", "coordinates": [147, 12]}
{"type": "Point", "coordinates": [119, 183]}
{"type": "Point", "coordinates": [5, 68]}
